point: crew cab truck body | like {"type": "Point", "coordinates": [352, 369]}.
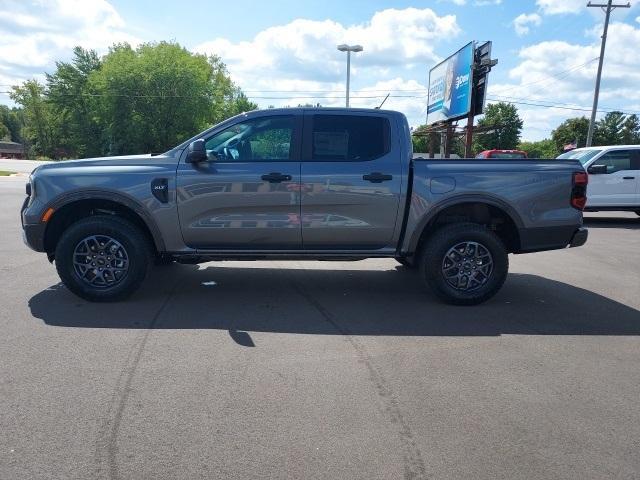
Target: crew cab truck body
{"type": "Point", "coordinates": [328, 184]}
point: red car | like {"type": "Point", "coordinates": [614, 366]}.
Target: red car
{"type": "Point", "coordinates": [502, 154]}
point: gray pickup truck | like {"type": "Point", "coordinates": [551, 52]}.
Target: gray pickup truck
{"type": "Point", "coordinates": [323, 184]}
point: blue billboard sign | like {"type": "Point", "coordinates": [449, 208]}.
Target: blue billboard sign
{"type": "Point", "coordinates": [450, 84]}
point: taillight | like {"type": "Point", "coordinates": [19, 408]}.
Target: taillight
{"type": "Point", "coordinates": [579, 190]}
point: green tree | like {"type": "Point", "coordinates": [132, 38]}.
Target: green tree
{"type": "Point", "coordinates": [154, 97]}
{"type": "Point", "coordinates": [139, 100]}
{"type": "Point", "coordinates": [631, 130]}
{"type": "Point", "coordinates": [422, 142]}
{"type": "Point", "coordinates": [617, 128]}
{"type": "Point", "coordinates": [609, 129]}
{"type": "Point", "coordinates": [40, 124]}
{"type": "Point", "coordinates": [71, 102]}
{"type": "Point", "coordinates": [541, 149]}
{"type": "Point", "coordinates": [569, 131]}
{"type": "Point", "coordinates": [12, 119]}
{"type": "Point", "coordinates": [504, 116]}
{"type": "Point", "coordinates": [5, 134]}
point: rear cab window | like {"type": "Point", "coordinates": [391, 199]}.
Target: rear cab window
{"type": "Point", "coordinates": [503, 155]}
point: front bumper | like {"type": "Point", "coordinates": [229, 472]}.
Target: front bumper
{"type": "Point", "coordinates": [579, 237]}
{"type": "Point", "coordinates": [32, 234]}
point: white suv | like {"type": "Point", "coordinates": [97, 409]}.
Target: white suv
{"type": "Point", "coordinates": [614, 176]}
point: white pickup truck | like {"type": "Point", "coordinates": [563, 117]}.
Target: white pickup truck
{"type": "Point", "coordinates": [614, 177]}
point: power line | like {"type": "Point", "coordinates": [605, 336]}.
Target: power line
{"type": "Point", "coordinates": [496, 97]}
{"type": "Point", "coordinates": [550, 102]}
{"type": "Point", "coordinates": [293, 96]}
{"type": "Point", "coordinates": [579, 109]}
{"type": "Point", "coordinates": [363, 90]}
{"type": "Point", "coordinates": [551, 77]}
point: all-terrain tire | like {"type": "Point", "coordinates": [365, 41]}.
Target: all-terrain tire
{"type": "Point", "coordinates": [436, 260]}
{"type": "Point", "coordinates": [127, 242]}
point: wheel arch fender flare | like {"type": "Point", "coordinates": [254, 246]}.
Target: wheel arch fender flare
{"type": "Point", "coordinates": [126, 201]}
{"type": "Point", "coordinates": [439, 207]}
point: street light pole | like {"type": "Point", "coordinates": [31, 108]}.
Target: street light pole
{"type": "Point", "coordinates": [607, 8]}
{"type": "Point", "coordinates": [349, 49]}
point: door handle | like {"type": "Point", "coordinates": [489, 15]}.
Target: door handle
{"type": "Point", "coordinates": [276, 177]}
{"type": "Point", "coordinates": [628, 178]}
{"type": "Point", "coordinates": [377, 177]}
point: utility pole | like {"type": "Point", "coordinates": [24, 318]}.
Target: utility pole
{"type": "Point", "coordinates": [607, 9]}
{"type": "Point", "coordinates": [468, 142]}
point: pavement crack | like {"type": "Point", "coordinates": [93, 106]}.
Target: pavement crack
{"type": "Point", "coordinates": [414, 466]}
{"type": "Point", "coordinates": [106, 444]}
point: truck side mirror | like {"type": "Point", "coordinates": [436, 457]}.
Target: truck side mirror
{"type": "Point", "coordinates": [597, 169]}
{"type": "Point", "coordinates": [196, 152]}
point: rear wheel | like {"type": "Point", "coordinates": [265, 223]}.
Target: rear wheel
{"type": "Point", "coordinates": [464, 264]}
{"type": "Point", "coordinates": [103, 258]}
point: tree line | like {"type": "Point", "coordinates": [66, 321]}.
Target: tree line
{"type": "Point", "coordinates": [150, 98]}
{"type": "Point", "coordinates": [129, 101]}
{"type": "Point", "coordinates": [615, 128]}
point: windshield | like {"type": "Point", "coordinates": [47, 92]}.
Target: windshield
{"type": "Point", "coordinates": [582, 155]}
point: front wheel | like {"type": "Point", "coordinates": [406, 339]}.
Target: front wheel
{"type": "Point", "coordinates": [103, 258]}
{"type": "Point", "coordinates": [464, 264]}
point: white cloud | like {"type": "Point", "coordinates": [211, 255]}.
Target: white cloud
{"type": "Point", "coordinates": [34, 34]}
{"type": "Point", "coordinates": [407, 96]}
{"type": "Point", "coordinates": [301, 57]}
{"type": "Point", "coordinates": [476, 3]}
{"type": "Point", "coordinates": [391, 37]}
{"type": "Point", "coordinates": [522, 23]}
{"type": "Point", "coordinates": [563, 74]}
{"type": "Point", "coordinates": [484, 3]}
{"type": "Point", "coordinates": [556, 7]}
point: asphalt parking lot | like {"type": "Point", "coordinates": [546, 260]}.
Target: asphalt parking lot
{"type": "Point", "coordinates": [321, 370]}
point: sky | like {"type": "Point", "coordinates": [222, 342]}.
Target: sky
{"type": "Point", "coordinates": [283, 52]}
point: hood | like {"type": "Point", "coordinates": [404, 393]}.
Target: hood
{"type": "Point", "coordinates": [108, 164]}
{"type": "Point", "coordinates": [90, 162]}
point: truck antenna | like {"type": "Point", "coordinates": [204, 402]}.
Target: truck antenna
{"type": "Point", "coordinates": [385, 99]}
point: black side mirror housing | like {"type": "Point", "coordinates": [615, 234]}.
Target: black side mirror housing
{"type": "Point", "coordinates": [196, 152]}
{"type": "Point", "coordinates": [597, 169]}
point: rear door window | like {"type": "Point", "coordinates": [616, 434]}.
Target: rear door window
{"type": "Point", "coordinates": [349, 138]}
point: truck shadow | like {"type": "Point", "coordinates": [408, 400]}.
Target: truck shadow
{"type": "Point", "coordinates": [629, 223]}
{"type": "Point", "coordinates": [323, 301]}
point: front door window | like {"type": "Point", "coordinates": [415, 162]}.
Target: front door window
{"type": "Point", "coordinates": [258, 140]}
